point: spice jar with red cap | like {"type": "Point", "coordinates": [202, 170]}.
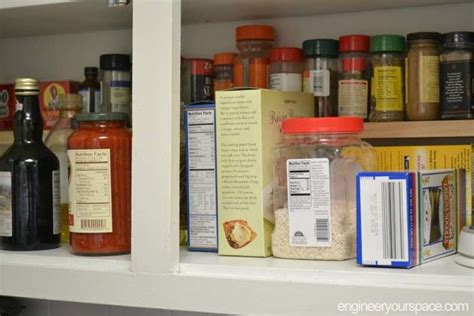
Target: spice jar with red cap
{"type": "Point", "coordinates": [286, 69]}
{"type": "Point", "coordinates": [353, 92]}
{"type": "Point", "coordinates": [223, 71]}
{"type": "Point", "coordinates": [314, 191]}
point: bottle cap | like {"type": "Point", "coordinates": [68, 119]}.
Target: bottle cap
{"type": "Point", "coordinates": [321, 48]}
{"type": "Point", "coordinates": [423, 36]}
{"type": "Point", "coordinates": [95, 117]}
{"type": "Point", "coordinates": [458, 40]}
{"type": "Point", "coordinates": [288, 54]}
{"type": "Point", "coordinates": [26, 86]}
{"type": "Point", "coordinates": [115, 62]}
{"type": "Point", "coordinates": [353, 64]}
{"type": "Point", "coordinates": [323, 125]}
{"type": "Point", "coordinates": [91, 71]}
{"type": "Point", "coordinates": [387, 44]}
{"type": "Point", "coordinates": [70, 102]}
{"type": "Point", "coordinates": [224, 58]}
{"type": "Point", "coordinates": [257, 32]}
{"type": "Point", "coordinates": [354, 43]}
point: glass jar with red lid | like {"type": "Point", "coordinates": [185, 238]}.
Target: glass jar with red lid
{"type": "Point", "coordinates": [99, 152]}
{"type": "Point", "coordinates": [353, 92]}
{"type": "Point", "coordinates": [286, 69]}
{"type": "Point", "coordinates": [314, 191]}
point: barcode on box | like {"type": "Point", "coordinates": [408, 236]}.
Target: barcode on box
{"type": "Point", "coordinates": [93, 224]}
{"type": "Point", "coordinates": [322, 229]}
{"type": "Point", "coordinates": [394, 215]}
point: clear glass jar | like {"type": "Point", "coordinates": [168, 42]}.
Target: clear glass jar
{"type": "Point", "coordinates": [321, 73]}
{"type": "Point", "coordinates": [69, 105]}
{"type": "Point", "coordinates": [223, 71]}
{"type": "Point", "coordinates": [422, 76]}
{"type": "Point", "coordinates": [314, 192]}
{"type": "Point", "coordinates": [253, 41]}
{"type": "Point", "coordinates": [286, 69]}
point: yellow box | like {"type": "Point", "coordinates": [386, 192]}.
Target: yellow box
{"type": "Point", "coordinates": [247, 129]}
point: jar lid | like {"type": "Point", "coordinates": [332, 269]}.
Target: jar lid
{"type": "Point", "coordinates": [458, 40]}
{"type": "Point", "coordinates": [353, 64]}
{"type": "Point", "coordinates": [91, 71]}
{"type": "Point", "coordinates": [110, 116]}
{"type": "Point", "coordinates": [224, 58]}
{"type": "Point", "coordinates": [26, 86]}
{"type": "Point", "coordinates": [200, 66]}
{"type": "Point", "coordinates": [115, 62]}
{"type": "Point", "coordinates": [70, 101]}
{"type": "Point", "coordinates": [321, 48]}
{"type": "Point", "coordinates": [423, 36]}
{"type": "Point", "coordinates": [387, 43]}
{"type": "Point", "coordinates": [354, 43]}
{"type": "Point", "coordinates": [289, 54]}
{"type": "Point", "coordinates": [323, 125]}
{"type": "Point", "coordinates": [258, 32]}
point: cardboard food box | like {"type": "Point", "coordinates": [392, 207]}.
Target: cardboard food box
{"type": "Point", "coordinates": [7, 106]}
{"type": "Point", "coordinates": [48, 98]}
{"type": "Point", "coordinates": [405, 219]}
{"type": "Point", "coordinates": [416, 158]}
{"type": "Point", "coordinates": [201, 181]}
{"type": "Point", "coordinates": [247, 130]}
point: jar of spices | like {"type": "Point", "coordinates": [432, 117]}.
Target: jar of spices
{"type": "Point", "coordinates": [286, 69]}
{"type": "Point", "coordinates": [314, 193]}
{"type": "Point", "coordinates": [100, 184]}
{"type": "Point", "coordinates": [253, 41]}
{"type": "Point", "coordinates": [201, 79]}
{"type": "Point", "coordinates": [321, 73]}
{"type": "Point", "coordinates": [457, 75]}
{"type": "Point", "coordinates": [116, 84]}
{"type": "Point", "coordinates": [422, 76]}
{"type": "Point", "coordinates": [387, 70]}
{"type": "Point", "coordinates": [223, 71]}
{"type": "Point", "coordinates": [353, 88]}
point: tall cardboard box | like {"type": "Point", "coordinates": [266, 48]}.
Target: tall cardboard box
{"type": "Point", "coordinates": [247, 130]}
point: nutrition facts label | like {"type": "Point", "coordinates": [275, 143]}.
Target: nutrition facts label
{"type": "Point", "coordinates": [309, 202]}
{"type": "Point", "coordinates": [201, 174]}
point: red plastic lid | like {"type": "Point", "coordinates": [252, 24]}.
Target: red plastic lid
{"type": "Point", "coordinates": [354, 43]}
{"type": "Point", "coordinates": [351, 64]}
{"type": "Point", "coordinates": [258, 32]}
{"type": "Point", "coordinates": [201, 66]}
{"type": "Point", "coordinates": [289, 54]}
{"type": "Point", "coordinates": [323, 125]}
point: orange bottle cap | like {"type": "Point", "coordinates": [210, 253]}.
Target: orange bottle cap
{"type": "Point", "coordinates": [259, 32]}
{"type": "Point", "coordinates": [224, 58]}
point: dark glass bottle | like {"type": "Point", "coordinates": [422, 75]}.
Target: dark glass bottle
{"type": "Point", "coordinates": [29, 180]}
{"type": "Point", "coordinates": [90, 90]}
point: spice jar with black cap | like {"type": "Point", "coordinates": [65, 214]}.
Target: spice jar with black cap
{"type": "Point", "coordinates": [116, 84]}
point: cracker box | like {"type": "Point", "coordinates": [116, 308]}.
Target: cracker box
{"type": "Point", "coordinates": [201, 181]}
{"type": "Point", "coordinates": [48, 98]}
{"type": "Point", "coordinates": [247, 130]}
{"type": "Point", "coordinates": [7, 106]}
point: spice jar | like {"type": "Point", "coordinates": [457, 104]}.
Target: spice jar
{"type": "Point", "coordinates": [422, 76]}
{"type": "Point", "coordinates": [286, 69]}
{"type": "Point", "coordinates": [353, 85]}
{"type": "Point", "coordinates": [315, 193]}
{"type": "Point", "coordinates": [457, 75]}
{"type": "Point", "coordinates": [387, 64]}
{"type": "Point", "coordinates": [116, 84]}
{"type": "Point", "coordinates": [253, 41]}
{"type": "Point", "coordinates": [100, 184]}
{"type": "Point", "coordinates": [201, 79]}
{"type": "Point", "coordinates": [320, 75]}
{"type": "Point", "coordinates": [223, 71]}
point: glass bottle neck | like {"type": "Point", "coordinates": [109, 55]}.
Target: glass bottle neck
{"type": "Point", "coordinates": [91, 77]}
{"type": "Point", "coordinates": [28, 123]}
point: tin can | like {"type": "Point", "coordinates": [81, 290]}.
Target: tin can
{"type": "Point", "coordinates": [201, 79]}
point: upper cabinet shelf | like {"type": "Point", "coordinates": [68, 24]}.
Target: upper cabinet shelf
{"type": "Point", "coordinates": [207, 11]}
{"type": "Point", "coordinates": [45, 17]}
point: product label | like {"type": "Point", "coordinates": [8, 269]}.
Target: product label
{"type": "Point", "coordinates": [320, 82]}
{"type": "Point", "coordinates": [387, 84]}
{"type": "Point", "coordinates": [309, 202]}
{"type": "Point", "coordinates": [352, 98]}
{"type": "Point", "coordinates": [201, 179]}
{"type": "Point", "coordinates": [202, 88]}
{"type": "Point", "coordinates": [6, 215]}
{"type": "Point", "coordinates": [4, 98]}
{"type": "Point", "coordinates": [90, 191]}
{"type": "Point", "coordinates": [429, 79]}
{"type": "Point", "coordinates": [91, 99]}
{"type": "Point", "coordinates": [286, 82]}
{"type": "Point", "coordinates": [56, 203]}
{"type": "Point", "coordinates": [457, 87]}
{"type": "Point", "coordinates": [120, 96]}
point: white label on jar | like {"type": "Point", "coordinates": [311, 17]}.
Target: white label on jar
{"type": "Point", "coordinates": [56, 202]}
{"type": "Point", "coordinates": [6, 215]}
{"type": "Point", "coordinates": [352, 98]}
{"type": "Point", "coordinates": [320, 81]}
{"type": "Point", "coordinates": [201, 179]}
{"type": "Point", "coordinates": [309, 202]}
{"type": "Point", "coordinates": [120, 96]}
{"type": "Point", "coordinates": [286, 82]}
{"type": "Point", "coordinates": [90, 194]}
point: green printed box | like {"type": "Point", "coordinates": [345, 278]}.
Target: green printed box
{"type": "Point", "coordinates": [247, 130]}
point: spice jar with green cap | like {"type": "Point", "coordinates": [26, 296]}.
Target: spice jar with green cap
{"type": "Point", "coordinates": [387, 71]}
{"type": "Point", "coordinates": [321, 73]}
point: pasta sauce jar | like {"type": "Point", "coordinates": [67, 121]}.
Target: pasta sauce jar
{"type": "Point", "coordinates": [99, 152]}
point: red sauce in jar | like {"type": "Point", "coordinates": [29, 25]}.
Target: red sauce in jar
{"type": "Point", "coordinates": [100, 184]}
